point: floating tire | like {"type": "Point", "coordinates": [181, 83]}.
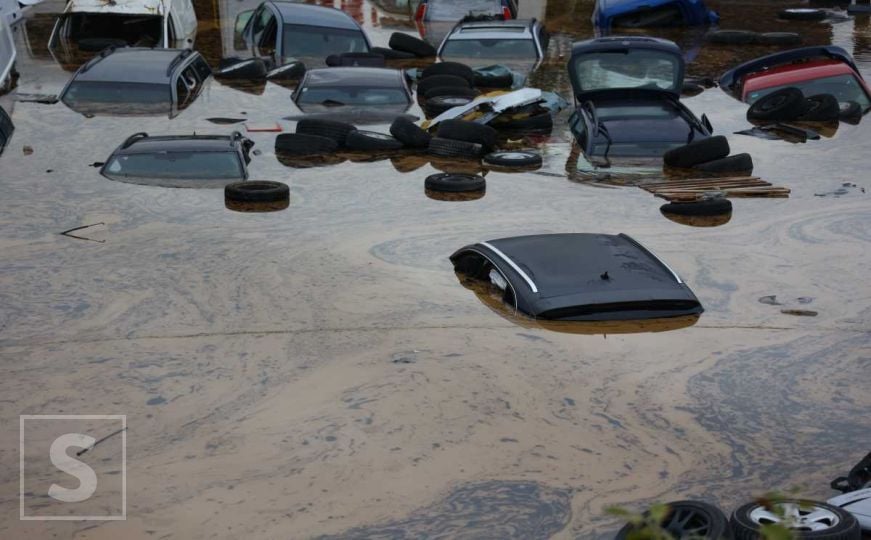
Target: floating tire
{"type": "Point", "coordinates": [450, 68]}
{"type": "Point", "coordinates": [360, 59]}
{"type": "Point", "coordinates": [437, 105]}
{"type": "Point", "coordinates": [256, 191]}
{"type": "Point", "coordinates": [461, 130]}
{"type": "Point", "coordinates": [802, 14]}
{"type": "Point", "coordinates": [732, 37]}
{"type": "Point", "coordinates": [698, 152]}
{"type": "Point", "coordinates": [780, 38]}
{"type": "Point", "coordinates": [409, 133]}
{"type": "Point", "coordinates": [687, 519]}
{"type": "Point", "coordinates": [850, 112]}
{"type": "Point", "coordinates": [410, 44]}
{"type": "Point", "coordinates": [371, 141]}
{"type": "Point", "coordinates": [783, 105]}
{"type": "Point", "coordinates": [247, 69]}
{"type": "Point", "coordinates": [808, 520]}
{"type": "Point", "coordinates": [739, 163]}
{"type": "Point", "coordinates": [454, 91]}
{"type": "Point", "coordinates": [821, 108]}
{"type": "Point", "coordinates": [391, 54]}
{"type": "Point", "coordinates": [455, 183]}
{"type": "Point", "coordinates": [513, 160]}
{"type": "Point", "coordinates": [440, 81]}
{"type": "Point", "coordinates": [493, 81]}
{"type": "Point", "coordinates": [337, 131]}
{"type": "Point", "coordinates": [301, 144]}
{"type": "Point", "coordinates": [451, 148]}
{"type": "Point", "coordinates": [707, 207]}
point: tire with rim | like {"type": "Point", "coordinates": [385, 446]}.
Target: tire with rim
{"type": "Point", "coordinates": [493, 81]}
{"type": "Point", "coordinates": [455, 91]}
{"type": "Point", "coordinates": [440, 81]}
{"type": "Point", "coordinates": [688, 519]}
{"type": "Point", "coordinates": [461, 130]}
{"type": "Point", "coordinates": [821, 108]}
{"type": "Point", "coordinates": [783, 105]}
{"type": "Point", "coordinates": [780, 38]}
{"type": "Point", "coordinates": [337, 131]}
{"type": "Point", "coordinates": [410, 44]}
{"type": "Point", "coordinates": [455, 183]}
{"type": "Point", "coordinates": [707, 207]}
{"type": "Point", "coordinates": [392, 54]}
{"type": "Point", "coordinates": [440, 104]}
{"type": "Point", "coordinates": [513, 160]}
{"type": "Point", "coordinates": [409, 133]}
{"type": "Point", "coordinates": [697, 152]}
{"type": "Point", "coordinates": [802, 14]}
{"type": "Point", "coordinates": [256, 191]}
{"type": "Point", "coordinates": [300, 144]}
{"type": "Point", "coordinates": [732, 37]}
{"type": "Point", "coordinates": [450, 148]}
{"type": "Point", "coordinates": [739, 163]}
{"type": "Point", "coordinates": [809, 520]}
{"type": "Point", "coordinates": [364, 141]}
{"type": "Point", "coordinates": [450, 68]}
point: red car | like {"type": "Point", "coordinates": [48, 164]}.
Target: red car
{"type": "Point", "coordinates": [814, 70]}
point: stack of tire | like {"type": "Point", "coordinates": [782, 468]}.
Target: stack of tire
{"type": "Point", "coordinates": [791, 105]}
{"type": "Point", "coordinates": [709, 155]}
{"type": "Point", "coordinates": [317, 141]}
{"type": "Point", "coordinates": [445, 85]}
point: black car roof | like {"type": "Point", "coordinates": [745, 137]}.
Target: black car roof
{"type": "Point", "coordinates": [141, 143]}
{"type": "Point", "coordinates": [634, 42]}
{"type": "Point", "coordinates": [582, 277]}
{"type": "Point", "coordinates": [353, 76]}
{"type": "Point", "coordinates": [132, 64]}
{"type": "Point", "coordinates": [309, 15]}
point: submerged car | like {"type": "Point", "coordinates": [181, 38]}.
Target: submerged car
{"type": "Point", "coordinates": [610, 14]}
{"type": "Point", "coordinates": [326, 89]}
{"type": "Point", "coordinates": [137, 81]}
{"type": "Point", "coordinates": [283, 31]}
{"type": "Point", "coordinates": [435, 18]}
{"type": "Point", "coordinates": [627, 99]}
{"type": "Point", "coordinates": [180, 160]}
{"type": "Point", "coordinates": [813, 70]}
{"type": "Point", "coordinates": [518, 44]}
{"type": "Point", "coordinates": [579, 277]}
{"type": "Point", "coordinates": [93, 25]}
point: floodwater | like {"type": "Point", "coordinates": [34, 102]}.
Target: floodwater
{"type": "Point", "coordinates": [322, 372]}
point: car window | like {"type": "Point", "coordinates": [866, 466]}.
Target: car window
{"type": "Point", "coordinates": [178, 165]}
{"type": "Point", "coordinates": [202, 68]}
{"type": "Point", "coordinates": [301, 41]}
{"type": "Point", "coordinates": [454, 10]}
{"type": "Point", "coordinates": [115, 92]}
{"type": "Point", "coordinates": [353, 96]}
{"type": "Point", "coordinates": [187, 86]}
{"type": "Point", "coordinates": [489, 48]}
{"type": "Point", "coordinates": [261, 19]}
{"type": "Point", "coordinates": [268, 38]}
{"type": "Point", "coordinates": [843, 87]}
{"type": "Point", "coordinates": [628, 69]}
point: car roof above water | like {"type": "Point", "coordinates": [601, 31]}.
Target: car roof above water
{"type": "Point", "coordinates": [353, 76]}
{"type": "Point", "coordinates": [131, 64]}
{"type": "Point", "coordinates": [143, 144]}
{"type": "Point", "coordinates": [309, 15]}
{"type": "Point", "coordinates": [512, 29]}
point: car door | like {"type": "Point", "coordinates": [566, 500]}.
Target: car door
{"type": "Point", "coordinates": [267, 40]}
{"type": "Point", "coordinates": [184, 22]}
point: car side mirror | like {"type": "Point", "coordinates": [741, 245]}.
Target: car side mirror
{"type": "Point", "coordinates": [707, 123]}
{"type": "Point", "coordinates": [241, 22]}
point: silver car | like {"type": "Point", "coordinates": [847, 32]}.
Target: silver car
{"type": "Point", "coordinates": [518, 44]}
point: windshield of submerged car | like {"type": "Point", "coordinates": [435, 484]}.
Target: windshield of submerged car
{"type": "Point", "coordinates": [844, 87]}
{"type": "Point", "coordinates": [454, 10]}
{"type": "Point", "coordinates": [350, 95]}
{"type": "Point", "coordinates": [319, 42]}
{"type": "Point", "coordinates": [176, 165]}
{"type": "Point", "coordinates": [490, 48]}
{"type": "Point", "coordinates": [628, 69]}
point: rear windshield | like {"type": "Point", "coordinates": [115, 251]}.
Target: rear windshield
{"type": "Point", "coordinates": [490, 48]}
{"type": "Point", "coordinates": [844, 87]}
{"type": "Point", "coordinates": [352, 96]}
{"type": "Point", "coordinates": [319, 42]}
{"type": "Point", "coordinates": [88, 92]}
{"type": "Point", "coordinates": [627, 69]}
{"type": "Point", "coordinates": [454, 10]}
{"type": "Point", "coordinates": [175, 165]}
{"type": "Point", "coordinates": [114, 29]}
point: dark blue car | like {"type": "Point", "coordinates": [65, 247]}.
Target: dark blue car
{"type": "Point", "coordinates": [627, 99]}
{"type": "Point", "coordinates": [610, 14]}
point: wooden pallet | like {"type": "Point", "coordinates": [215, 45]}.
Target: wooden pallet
{"type": "Point", "coordinates": [691, 189]}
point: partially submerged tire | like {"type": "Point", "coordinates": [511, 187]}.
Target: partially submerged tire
{"type": "Point", "coordinates": [440, 81]}
{"type": "Point", "coordinates": [780, 38]}
{"type": "Point", "coordinates": [455, 91]}
{"type": "Point", "coordinates": [360, 59]}
{"type": "Point", "coordinates": [455, 183]}
{"type": "Point", "coordinates": [437, 105]}
{"type": "Point", "coordinates": [365, 141]}
{"type": "Point", "coordinates": [783, 105]}
{"type": "Point", "coordinates": [410, 44]}
{"type": "Point", "coordinates": [337, 131]}
{"type": "Point", "coordinates": [451, 148]}
{"type": "Point", "coordinates": [739, 163]}
{"type": "Point", "coordinates": [698, 152]}
{"type": "Point", "coordinates": [249, 68]}
{"type": "Point", "coordinates": [292, 71]}
{"type": "Point", "coordinates": [256, 191]}
{"type": "Point", "coordinates": [493, 81]}
{"type": "Point", "coordinates": [409, 133]}
{"type": "Point", "coordinates": [690, 89]}
{"type": "Point", "coordinates": [391, 54]}
{"type": "Point", "coordinates": [688, 519]}
{"type": "Point", "coordinates": [732, 37]}
{"type": "Point", "coordinates": [850, 112]}
{"type": "Point", "coordinates": [802, 14]}
{"type": "Point", "coordinates": [513, 160]}
{"type": "Point", "coordinates": [707, 207]}
{"type": "Point", "coordinates": [809, 520]}
{"type": "Point", "coordinates": [450, 68]}
{"type": "Point", "coordinates": [821, 108]}
{"type": "Point", "coordinates": [461, 130]}
{"type": "Point", "coordinates": [300, 144]}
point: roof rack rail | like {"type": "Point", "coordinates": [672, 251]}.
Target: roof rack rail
{"type": "Point", "coordinates": [99, 56]}
{"type": "Point", "coordinates": [175, 61]}
{"type": "Point", "coordinates": [131, 139]}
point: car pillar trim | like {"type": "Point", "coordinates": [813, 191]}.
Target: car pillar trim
{"type": "Point", "coordinates": [514, 266]}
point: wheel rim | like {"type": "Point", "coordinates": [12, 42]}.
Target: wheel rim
{"type": "Point", "coordinates": [793, 516]}
{"type": "Point", "coordinates": [513, 156]}
{"type": "Point", "coordinates": [687, 522]}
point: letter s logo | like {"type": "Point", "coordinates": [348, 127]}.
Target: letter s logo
{"type": "Point", "coordinates": [84, 473]}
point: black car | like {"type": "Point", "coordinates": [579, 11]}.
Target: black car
{"type": "Point", "coordinates": [627, 99]}
{"type": "Point", "coordinates": [180, 160]}
{"type": "Point", "coordinates": [137, 81]}
{"type": "Point", "coordinates": [284, 31]}
{"type": "Point", "coordinates": [328, 89]}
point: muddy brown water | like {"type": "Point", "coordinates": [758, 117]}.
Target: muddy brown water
{"type": "Point", "coordinates": [321, 371]}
